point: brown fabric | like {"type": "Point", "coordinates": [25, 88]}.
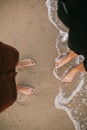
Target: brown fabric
{"type": "Point", "coordinates": [9, 57]}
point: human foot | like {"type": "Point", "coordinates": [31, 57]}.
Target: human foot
{"type": "Point", "coordinates": [25, 63]}
{"type": "Point", "coordinates": [73, 71]}
{"type": "Point", "coordinates": [25, 89]}
{"type": "Point", "coordinates": [65, 59]}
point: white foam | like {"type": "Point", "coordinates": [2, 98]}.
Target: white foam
{"type": "Point", "coordinates": [58, 100]}
{"type": "Point", "coordinates": [52, 16]}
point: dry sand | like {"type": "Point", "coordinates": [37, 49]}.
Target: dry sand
{"type": "Point", "coordinates": [24, 24]}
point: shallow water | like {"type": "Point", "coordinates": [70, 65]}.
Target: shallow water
{"type": "Point", "coordinates": [72, 96]}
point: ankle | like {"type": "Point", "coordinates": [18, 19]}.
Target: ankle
{"type": "Point", "coordinates": [72, 54]}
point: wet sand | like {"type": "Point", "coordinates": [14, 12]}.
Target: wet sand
{"type": "Point", "coordinates": [24, 24]}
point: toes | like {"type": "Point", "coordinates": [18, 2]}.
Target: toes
{"type": "Point", "coordinates": [66, 79]}
{"type": "Point", "coordinates": [30, 62]}
{"type": "Point", "coordinates": [32, 90]}
{"type": "Point", "coordinates": [56, 63]}
{"type": "Point", "coordinates": [33, 63]}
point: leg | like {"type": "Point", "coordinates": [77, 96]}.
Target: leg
{"type": "Point", "coordinates": [25, 63]}
{"type": "Point", "coordinates": [25, 89]}
{"type": "Point", "coordinates": [71, 74]}
{"type": "Point", "coordinates": [66, 59]}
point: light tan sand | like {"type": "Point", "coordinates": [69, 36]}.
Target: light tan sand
{"type": "Point", "coordinates": [24, 24]}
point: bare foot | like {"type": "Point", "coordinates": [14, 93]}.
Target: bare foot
{"type": "Point", "coordinates": [25, 63]}
{"type": "Point", "coordinates": [25, 89]}
{"type": "Point", "coordinates": [71, 74]}
{"type": "Point", "coordinates": [66, 59]}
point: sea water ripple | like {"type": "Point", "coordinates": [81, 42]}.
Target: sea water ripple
{"type": "Point", "coordinates": [71, 97]}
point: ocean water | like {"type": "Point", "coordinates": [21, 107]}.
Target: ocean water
{"type": "Point", "coordinates": [71, 97]}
